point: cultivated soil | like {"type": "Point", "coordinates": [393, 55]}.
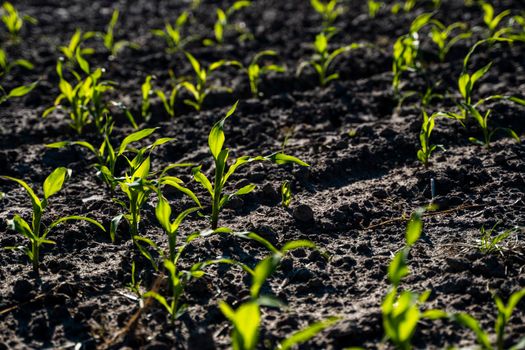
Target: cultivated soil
{"type": "Point", "coordinates": [353, 201]}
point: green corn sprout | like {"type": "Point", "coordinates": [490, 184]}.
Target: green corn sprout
{"type": "Point", "coordinates": [134, 284]}
{"type": "Point", "coordinates": [504, 314]}
{"type": "Point", "coordinates": [114, 46]}
{"type": "Point", "coordinates": [426, 150]}
{"type": "Point", "coordinates": [222, 24]}
{"type": "Point", "coordinates": [406, 50]}
{"type": "Point", "coordinates": [406, 6]}
{"type": "Point", "coordinates": [173, 35]}
{"type": "Point", "coordinates": [5, 68]}
{"type": "Point", "coordinates": [329, 11]}
{"type": "Point", "coordinates": [106, 155]}
{"type": "Point", "coordinates": [256, 70]}
{"type": "Point", "coordinates": [401, 309]}
{"type": "Point", "coordinates": [443, 36]}
{"type": "Point", "coordinates": [168, 101]}
{"type": "Point", "coordinates": [85, 102]}
{"type": "Point", "coordinates": [374, 7]}
{"type": "Point", "coordinates": [490, 19]}
{"type": "Point", "coordinates": [488, 132]}
{"type": "Point", "coordinates": [37, 232]}
{"type": "Point", "coordinates": [323, 59]}
{"type": "Point", "coordinates": [201, 88]}
{"type": "Point", "coordinates": [13, 21]}
{"type": "Point", "coordinates": [519, 34]}
{"type": "Point", "coordinates": [74, 52]}
{"type": "Point", "coordinates": [216, 140]}
{"type": "Point", "coordinates": [490, 240]}
{"type": "Point", "coordinates": [286, 194]}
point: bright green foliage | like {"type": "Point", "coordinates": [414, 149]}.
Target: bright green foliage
{"type": "Point", "coordinates": [168, 101]}
{"type": "Point", "coordinates": [286, 194]}
{"type": "Point", "coordinates": [114, 46]}
{"type": "Point", "coordinates": [201, 88]}
{"type": "Point", "coordinates": [504, 315]}
{"type": "Point", "coordinates": [106, 155]}
{"type": "Point", "coordinates": [519, 33]}
{"type": "Point", "coordinates": [445, 38]}
{"type": "Point", "coordinates": [426, 150]}
{"type": "Point", "coordinates": [401, 309]}
{"type": "Point", "coordinates": [246, 321]}
{"type": "Point", "coordinates": [74, 52]}
{"type": "Point", "coordinates": [134, 284]}
{"type": "Point", "coordinates": [488, 133]}
{"type": "Point", "coordinates": [374, 7]}
{"type": "Point", "coordinates": [490, 240]}
{"type": "Point", "coordinates": [406, 50]}
{"type": "Point", "coordinates": [222, 24]}
{"type": "Point", "coordinates": [216, 140]}
{"type": "Point", "coordinates": [323, 59]}
{"type": "Point", "coordinates": [5, 68]}
{"type": "Point", "coordinates": [173, 35]}
{"type": "Point", "coordinates": [146, 103]}
{"type": "Point", "coordinates": [492, 20]}
{"type": "Point", "coordinates": [328, 10]}
{"type": "Point", "coordinates": [84, 102]}
{"type": "Point", "coordinates": [36, 232]}
{"type": "Point", "coordinates": [255, 71]}
{"type": "Point", "coordinates": [13, 21]}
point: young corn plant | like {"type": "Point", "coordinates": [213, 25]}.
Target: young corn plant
{"type": "Point", "coordinates": [406, 51]}
{"type": "Point", "coordinates": [106, 155]}
{"type": "Point", "coordinates": [323, 59]}
{"type": "Point", "coordinates": [222, 24]}
{"type": "Point", "coordinates": [75, 53]}
{"type": "Point", "coordinates": [146, 90]}
{"type": "Point", "coordinates": [84, 102]}
{"type": "Point", "coordinates": [329, 11]}
{"type": "Point", "coordinates": [255, 70]}
{"type": "Point", "coordinates": [173, 35]}
{"type": "Point", "coordinates": [216, 140]}
{"type": "Point", "coordinates": [201, 88]}
{"type": "Point", "coordinates": [286, 194]}
{"type": "Point", "coordinates": [445, 37]}
{"type": "Point", "coordinates": [505, 312]}
{"type": "Point", "coordinates": [402, 308]}
{"type": "Point", "coordinates": [37, 232]}
{"type": "Point", "coordinates": [5, 68]}
{"type": "Point", "coordinates": [374, 7]}
{"type": "Point", "coordinates": [426, 150]}
{"type": "Point", "coordinates": [114, 46]}
{"type": "Point", "coordinates": [13, 21]}
{"type": "Point", "coordinates": [491, 20]}
{"type": "Point", "coordinates": [491, 240]}
{"type": "Point", "coordinates": [168, 100]}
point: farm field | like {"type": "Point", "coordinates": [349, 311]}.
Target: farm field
{"type": "Point", "coordinates": [262, 175]}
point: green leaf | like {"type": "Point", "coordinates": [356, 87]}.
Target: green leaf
{"type": "Point", "coordinates": [21, 226]}
{"type": "Point", "coordinates": [75, 218]}
{"type": "Point", "coordinates": [281, 158]}
{"type": "Point", "coordinates": [414, 228]}
{"type": "Point", "coordinates": [143, 170]}
{"type": "Point", "coordinates": [55, 181]}
{"type": "Point", "coordinates": [21, 90]}
{"type": "Point", "coordinates": [216, 137]}
{"type": "Point", "coordinates": [37, 205]}
{"type": "Point", "coordinates": [246, 321]}
{"type": "Point", "coordinates": [136, 136]}
{"type": "Point", "coordinates": [398, 268]}
{"type": "Point", "coordinates": [306, 334]}
{"type": "Point", "coordinates": [261, 272]}
{"type": "Point", "coordinates": [163, 213]}
{"type": "Point", "coordinates": [245, 190]}
{"type": "Point", "coordinates": [298, 244]}
{"type": "Point", "coordinates": [160, 299]}
{"type": "Point", "coordinates": [114, 226]}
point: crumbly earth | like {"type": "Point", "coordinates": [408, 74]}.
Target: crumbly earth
{"type": "Point", "coordinates": [353, 201]}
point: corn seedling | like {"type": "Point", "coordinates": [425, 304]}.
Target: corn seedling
{"type": "Point", "coordinates": [445, 38]}
{"type": "Point", "coordinates": [74, 52]}
{"type": "Point", "coordinates": [168, 101]}
{"type": "Point", "coordinates": [328, 10]}
{"type": "Point", "coordinates": [146, 90]}
{"type": "Point", "coordinates": [406, 51]}
{"type": "Point", "coordinates": [505, 312]}
{"type": "Point", "coordinates": [84, 101]}
{"type": "Point", "coordinates": [13, 21]}
{"type": "Point", "coordinates": [135, 284]}
{"type": "Point", "coordinates": [113, 46]}
{"type": "Point", "coordinates": [173, 34]}
{"type": "Point", "coordinates": [201, 88]}
{"type": "Point", "coordinates": [490, 240]}
{"type": "Point", "coordinates": [519, 33]}
{"type": "Point", "coordinates": [5, 68]}
{"type": "Point", "coordinates": [491, 20]}
{"type": "Point", "coordinates": [488, 133]}
{"type": "Point", "coordinates": [286, 194]}
{"type": "Point", "coordinates": [222, 24]}
{"type": "Point", "coordinates": [216, 140]}
{"type": "Point", "coordinates": [106, 155]}
{"type": "Point", "coordinates": [323, 59]}
{"type": "Point", "coordinates": [255, 70]}
{"type": "Point", "coordinates": [402, 309]}
{"type": "Point", "coordinates": [374, 7]}
{"type": "Point", "coordinates": [426, 150]}
{"type": "Point", "coordinates": [37, 233]}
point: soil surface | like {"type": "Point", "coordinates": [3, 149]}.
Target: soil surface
{"type": "Point", "coordinates": [364, 180]}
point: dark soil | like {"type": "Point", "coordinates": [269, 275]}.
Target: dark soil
{"type": "Point", "coordinates": [352, 201]}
